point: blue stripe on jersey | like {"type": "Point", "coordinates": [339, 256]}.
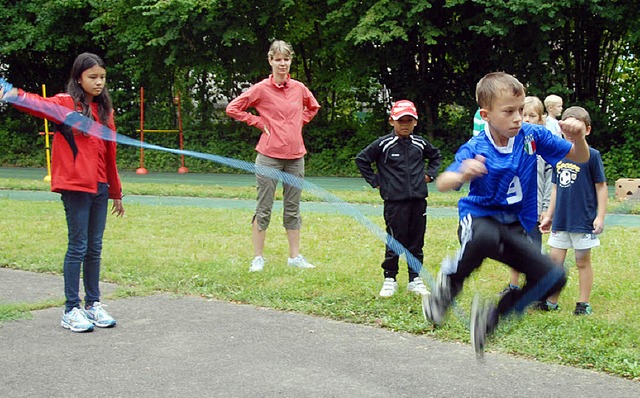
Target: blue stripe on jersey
{"type": "Point", "coordinates": [510, 187]}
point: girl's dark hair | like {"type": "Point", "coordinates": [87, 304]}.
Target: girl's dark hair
{"type": "Point", "coordinates": [83, 62]}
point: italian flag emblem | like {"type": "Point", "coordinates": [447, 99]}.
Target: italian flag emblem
{"type": "Point", "coordinates": [529, 145]}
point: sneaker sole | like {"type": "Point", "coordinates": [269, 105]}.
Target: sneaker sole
{"type": "Point", "coordinates": [478, 330]}
{"type": "Point", "coordinates": [388, 293]}
{"type": "Point", "coordinates": [418, 292]}
{"type": "Point", "coordinates": [76, 330]}
{"type": "Point", "coordinates": [104, 325]}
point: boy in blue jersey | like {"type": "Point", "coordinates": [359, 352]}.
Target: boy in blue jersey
{"type": "Point", "coordinates": [501, 207]}
{"type": "Point", "coordinates": [577, 207]}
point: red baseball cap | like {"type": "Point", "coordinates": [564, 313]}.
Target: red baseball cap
{"type": "Point", "coordinates": [403, 108]}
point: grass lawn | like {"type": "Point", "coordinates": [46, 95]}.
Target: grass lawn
{"type": "Point", "coordinates": [207, 251]}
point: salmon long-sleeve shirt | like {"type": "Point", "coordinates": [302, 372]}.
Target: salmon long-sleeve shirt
{"type": "Point", "coordinates": [284, 109]}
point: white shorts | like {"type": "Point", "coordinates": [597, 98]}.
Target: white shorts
{"type": "Point", "coordinates": [573, 240]}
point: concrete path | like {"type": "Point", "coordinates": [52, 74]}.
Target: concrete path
{"type": "Point", "coordinates": [168, 346]}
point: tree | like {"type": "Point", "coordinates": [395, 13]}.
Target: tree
{"type": "Point", "coordinates": [355, 55]}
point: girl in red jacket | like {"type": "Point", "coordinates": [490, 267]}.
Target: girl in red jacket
{"type": "Point", "coordinates": [84, 172]}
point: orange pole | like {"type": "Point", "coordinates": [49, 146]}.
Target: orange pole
{"type": "Point", "coordinates": [142, 170]}
{"type": "Point", "coordinates": [182, 169]}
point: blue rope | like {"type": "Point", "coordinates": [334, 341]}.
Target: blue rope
{"type": "Point", "coordinates": [88, 126]}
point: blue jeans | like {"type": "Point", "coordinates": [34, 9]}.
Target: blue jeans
{"type": "Point", "coordinates": [86, 219]}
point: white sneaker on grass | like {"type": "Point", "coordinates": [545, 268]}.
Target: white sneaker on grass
{"type": "Point", "coordinates": [76, 321]}
{"type": "Point", "coordinates": [417, 286]}
{"type": "Point", "coordinates": [97, 315]}
{"type": "Point", "coordinates": [389, 287]}
{"type": "Point", "coordinates": [257, 264]}
{"type": "Point", "coordinates": [299, 262]}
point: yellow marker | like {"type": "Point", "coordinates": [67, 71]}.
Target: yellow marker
{"type": "Point", "coordinates": [46, 140]}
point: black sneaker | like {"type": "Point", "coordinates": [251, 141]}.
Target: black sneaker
{"type": "Point", "coordinates": [583, 309]}
{"type": "Point", "coordinates": [544, 306]}
{"type": "Point", "coordinates": [435, 305]}
{"type": "Point", "coordinates": [508, 289]}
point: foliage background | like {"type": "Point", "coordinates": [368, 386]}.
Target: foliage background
{"type": "Point", "coordinates": [356, 56]}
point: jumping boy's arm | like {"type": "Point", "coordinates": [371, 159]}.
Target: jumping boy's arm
{"type": "Point", "coordinates": [575, 131]}
{"type": "Point", "coordinates": [602, 194]}
{"type": "Point", "coordinates": [470, 169]}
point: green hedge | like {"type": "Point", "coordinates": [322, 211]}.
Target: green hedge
{"type": "Point", "coordinates": [331, 146]}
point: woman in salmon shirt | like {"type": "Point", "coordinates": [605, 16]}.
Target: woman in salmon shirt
{"type": "Point", "coordinates": [284, 106]}
{"type": "Point", "coordinates": [84, 172]}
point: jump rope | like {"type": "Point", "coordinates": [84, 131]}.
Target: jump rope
{"type": "Point", "coordinates": [82, 123]}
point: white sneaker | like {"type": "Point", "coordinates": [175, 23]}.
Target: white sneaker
{"type": "Point", "coordinates": [417, 286]}
{"type": "Point", "coordinates": [97, 315]}
{"type": "Point", "coordinates": [76, 321]}
{"type": "Point", "coordinates": [257, 264]}
{"type": "Point", "coordinates": [389, 287]}
{"type": "Point", "coordinates": [299, 262]}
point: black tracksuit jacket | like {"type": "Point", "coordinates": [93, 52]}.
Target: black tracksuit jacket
{"type": "Point", "coordinates": [400, 164]}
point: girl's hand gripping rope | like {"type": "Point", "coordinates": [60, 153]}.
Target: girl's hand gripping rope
{"type": "Point", "coordinates": [5, 89]}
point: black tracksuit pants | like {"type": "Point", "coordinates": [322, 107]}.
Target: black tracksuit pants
{"type": "Point", "coordinates": [485, 237]}
{"type": "Point", "coordinates": [406, 222]}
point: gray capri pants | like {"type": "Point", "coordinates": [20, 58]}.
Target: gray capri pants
{"type": "Point", "coordinates": [266, 186]}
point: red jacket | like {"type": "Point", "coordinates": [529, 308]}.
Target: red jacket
{"type": "Point", "coordinates": [67, 173]}
{"type": "Point", "coordinates": [284, 109]}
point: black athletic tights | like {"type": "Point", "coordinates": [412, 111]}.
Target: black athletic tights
{"type": "Point", "coordinates": [485, 237]}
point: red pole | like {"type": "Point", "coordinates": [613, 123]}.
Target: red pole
{"type": "Point", "coordinates": [142, 170]}
{"type": "Point", "coordinates": [182, 169]}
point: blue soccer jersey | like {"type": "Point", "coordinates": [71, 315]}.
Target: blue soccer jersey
{"type": "Point", "coordinates": [509, 190]}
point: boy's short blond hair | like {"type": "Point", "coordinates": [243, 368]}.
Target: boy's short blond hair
{"type": "Point", "coordinates": [494, 84]}
{"type": "Point", "coordinates": [281, 47]}
{"type": "Point", "coordinates": [578, 113]}
{"type": "Point", "coordinates": [552, 100]}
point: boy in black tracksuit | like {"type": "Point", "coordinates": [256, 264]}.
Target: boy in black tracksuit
{"type": "Point", "coordinates": [400, 162]}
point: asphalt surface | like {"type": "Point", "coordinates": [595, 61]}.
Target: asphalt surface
{"type": "Point", "coordinates": [167, 346]}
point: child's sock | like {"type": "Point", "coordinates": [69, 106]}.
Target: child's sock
{"type": "Point", "coordinates": [552, 306]}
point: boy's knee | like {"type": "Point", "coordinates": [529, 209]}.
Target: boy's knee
{"type": "Point", "coordinates": [583, 258]}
